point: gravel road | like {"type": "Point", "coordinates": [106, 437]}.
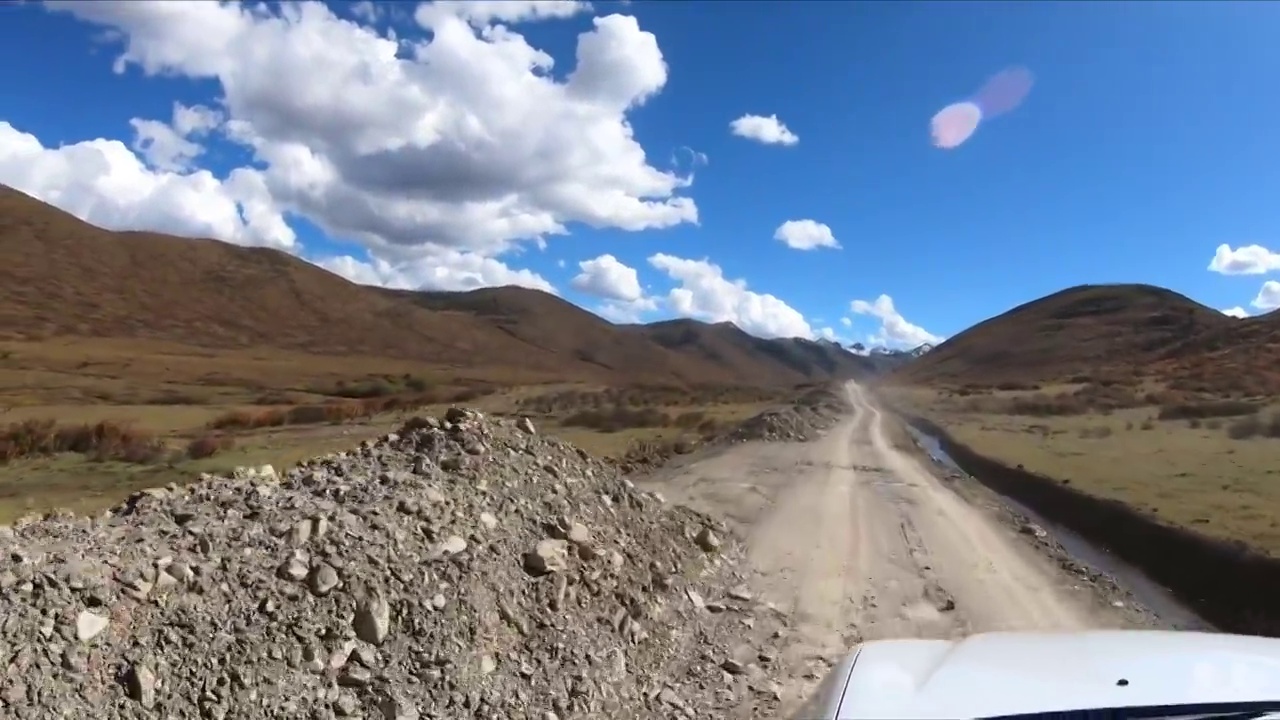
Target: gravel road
{"type": "Point", "coordinates": [859, 540]}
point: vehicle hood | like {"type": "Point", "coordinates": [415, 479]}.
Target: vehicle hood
{"type": "Point", "coordinates": [1009, 673]}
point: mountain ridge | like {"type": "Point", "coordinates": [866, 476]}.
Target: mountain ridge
{"type": "Point", "coordinates": [64, 277]}
{"type": "Point", "coordinates": [1123, 330]}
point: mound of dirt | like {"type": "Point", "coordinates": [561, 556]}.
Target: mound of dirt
{"type": "Point", "coordinates": [461, 567]}
{"type": "Point", "coordinates": [805, 418]}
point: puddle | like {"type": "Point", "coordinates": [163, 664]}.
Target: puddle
{"type": "Point", "coordinates": [1151, 594]}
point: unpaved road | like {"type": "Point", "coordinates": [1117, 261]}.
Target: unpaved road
{"type": "Point", "coordinates": [858, 540]}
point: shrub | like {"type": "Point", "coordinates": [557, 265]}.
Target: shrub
{"type": "Point", "coordinates": [617, 418]}
{"type": "Point", "coordinates": [209, 445]}
{"type": "Point", "coordinates": [1212, 408]}
{"type": "Point", "coordinates": [1245, 428]}
{"type": "Point", "coordinates": [106, 440]}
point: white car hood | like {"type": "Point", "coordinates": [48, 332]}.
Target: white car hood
{"type": "Point", "coordinates": [1011, 673]}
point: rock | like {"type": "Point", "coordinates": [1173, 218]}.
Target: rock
{"type": "Point", "coordinates": [352, 587]}
{"type": "Point", "coordinates": [452, 546]}
{"type": "Point", "coordinates": [579, 534]}
{"type": "Point", "coordinates": [372, 619]}
{"type": "Point", "coordinates": [140, 681]}
{"type": "Point", "coordinates": [89, 625]}
{"type": "Point", "coordinates": [525, 425]}
{"type": "Point", "coordinates": [322, 579]}
{"type": "Point", "coordinates": [707, 540]}
{"type": "Point", "coordinates": [548, 556]}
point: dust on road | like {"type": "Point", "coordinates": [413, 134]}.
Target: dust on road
{"type": "Point", "coordinates": [858, 540]}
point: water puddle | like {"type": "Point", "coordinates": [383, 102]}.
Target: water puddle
{"type": "Point", "coordinates": [1151, 594]}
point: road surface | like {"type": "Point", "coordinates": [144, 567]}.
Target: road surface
{"type": "Point", "coordinates": [859, 540]}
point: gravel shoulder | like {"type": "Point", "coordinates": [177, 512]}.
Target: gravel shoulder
{"type": "Point", "coordinates": [858, 540]}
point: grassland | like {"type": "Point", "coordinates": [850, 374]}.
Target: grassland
{"type": "Point", "coordinates": [1200, 462]}
{"type": "Point", "coordinates": [82, 434]}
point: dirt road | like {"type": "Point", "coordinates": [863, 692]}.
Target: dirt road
{"type": "Point", "coordinates": [858, 540]}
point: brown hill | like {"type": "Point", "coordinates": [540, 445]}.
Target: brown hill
{"type": "Point", "coordinates": [556, 326]}
{"type": "Point", "coordinates": [1091, 330]}
{"type": "Point", "coordinates": [65, 278]}
{"type": "Point", "coordinates": [738, 353]}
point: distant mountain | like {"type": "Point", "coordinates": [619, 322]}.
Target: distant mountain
{"type": "Point", "coordinates": [885, 359]}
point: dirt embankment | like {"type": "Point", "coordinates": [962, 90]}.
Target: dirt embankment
{"type": "Point", "coordinates": [1228, 584]}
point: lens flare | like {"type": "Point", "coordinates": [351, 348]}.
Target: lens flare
{"type": "Point", "coordinates": [954, 124]}
{"type": "Point", "coordinates": [1001, 93]}
{"type": "Point", "coordinates": [1004, 91]}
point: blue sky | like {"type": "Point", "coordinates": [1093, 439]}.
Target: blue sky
{"type": "Point", "coordinates": [1145, 144]}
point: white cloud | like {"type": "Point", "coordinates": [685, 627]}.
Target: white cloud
{"type": "Point", "coordinates": [443, 269]}
{"type": "Point", "coordinates": [366, 11]}
{"type": "Point", "coordinates": [704, 293]}
{"type": "Point", "coordinates": [1268, 297]}
{"type": "Point", "coordinates": [105, 183]}
{"type": "Point", "coordinates": [1236, 312]}
{"type": "Point", "coordinates": [622, 311]}
{"type": "Point", "coordinates": [464, 142]}
{"type": "Point", "coordinates": [846, 322]}
{"type": "Point", "coordinates": [827, 333]}
{"type": "Point", "coordinates": [167, 146]}
{"type": "Point", "coordinates": [895, 331]}
{"type": "Point", "coordinates": [608, 278]}
{"type": "Point", "coordinates": [486, 12]}
{"type": "Point", "coordinates": [767, 130]}
{"type": "Point", "coordinates": [1244, 260]}
{"type": "Point", "coordinates": [805, 235]}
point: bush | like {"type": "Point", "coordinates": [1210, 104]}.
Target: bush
{"type": "Point", "coordinates": [1202, 410]}
{"type": "Point", "coordinates": [1096, 433]}
{"type": "Point", "coordinates": [106, 440]}
{"type": "Point", "coordinates": [1245, 428]}
{"type": "Point", "coordinates": [617, 418]}
{"type": "Point", "coordinates": [208, 446]}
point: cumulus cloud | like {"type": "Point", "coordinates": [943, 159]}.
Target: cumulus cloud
{"type": "Point", "coordinates": [768, 130]}
{"type": "Point", "coordinates": [462, 142]}
{"type": "Point", "coordinates": [827, 333]}
{"type": "Point", "coordinates": [167, 146]}
{"type": "Point", "coordinates": [705, 294]}
{"type": "Point", "coordinates": [846, 322]}
{"type": "Point", "coordinates": [1244, 260]}
{"type": "Point", "coordinates": [486, 12]}
{"type": "Point", "coordinates": [442, 269]}
{"type": "Point", "coordinates": [894, 331]}
{"type": "Point", "coordinates": [608, 278]}
{"type": "Point", "coordinates": [105, 183]}
{"type": "Point", "coordinates": [1236, 312]}
{"type": "Point", "coordinates": [805, 235]}
{"type": "Point", "coordinates": [627, 311]}
{"type": "Point", "coordinates": [1268, 298]}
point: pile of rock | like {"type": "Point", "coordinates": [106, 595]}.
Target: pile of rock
{"type": "Point", "coordinates": [461, 567]}
{"type": "Point", "coordinates": [803, 419]}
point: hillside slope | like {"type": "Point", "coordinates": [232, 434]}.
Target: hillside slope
{"type": "Point", "coordinates": [65, 278]}
{"type": "Point", "coordinates": [775, 361]}
{"type": "Point", "coordinates": [1085, 330]}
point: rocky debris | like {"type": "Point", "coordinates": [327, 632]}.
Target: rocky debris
{"type": "Point", "coordinates": [805, 418]}
{"type": "Point", "coordinates": [460, 567]}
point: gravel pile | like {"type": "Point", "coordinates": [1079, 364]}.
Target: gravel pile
{"type": "Point", "coordinates": [461, 567]}
{"type": "Point", "coordinates": [805, 418]}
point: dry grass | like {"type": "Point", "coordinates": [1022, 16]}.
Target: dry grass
{"type": "Point", "coordinates": [86, 457]}
{"type": "Point", "coordinates": [1219, 478]}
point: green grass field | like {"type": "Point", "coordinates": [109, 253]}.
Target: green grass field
{"type": "Point", "coordinates": [1189, 472]}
